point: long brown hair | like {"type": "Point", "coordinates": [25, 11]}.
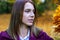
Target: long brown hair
{"type": "Point", "coordinates": [16, 18]}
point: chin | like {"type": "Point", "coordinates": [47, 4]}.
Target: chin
{"type": "Point", "coordinates": [30, 24]}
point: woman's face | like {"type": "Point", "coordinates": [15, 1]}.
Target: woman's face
{"type": "Point", "coordinates": [28, 14]}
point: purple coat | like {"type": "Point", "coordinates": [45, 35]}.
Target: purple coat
{"type": "Point", "coordinates": [42, 36]}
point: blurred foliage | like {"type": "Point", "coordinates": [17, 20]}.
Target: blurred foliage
{"type": "Point", "coordinates": [11, 1]}
{"type": "Point", "coordinates": [56, 21]}
{"type": "Point", "coordinates": [56, 36]}
{"type": "Point", "coordinates": [6, 6]}
{"type": "Point", "coordinates": [3, 7]}
{"type": "Point", "coordinates": [41, 8]}
{"type": "Point", "coordinates": [47, 5]}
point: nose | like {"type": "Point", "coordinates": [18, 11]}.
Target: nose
{"type": "Point", "coordinates": [32, 14]}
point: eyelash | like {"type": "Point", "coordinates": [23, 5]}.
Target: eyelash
{"type": "Point", "coordinates": [29, 11]}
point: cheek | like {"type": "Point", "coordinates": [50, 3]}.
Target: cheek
{"type": "Point", "coordinates": [25, 18]}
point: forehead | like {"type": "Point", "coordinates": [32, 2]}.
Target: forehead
{"type": "Point", "coordinates": [28, 5]}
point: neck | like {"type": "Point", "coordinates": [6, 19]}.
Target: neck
{"type": "Point", "coordinates": [23, 30]}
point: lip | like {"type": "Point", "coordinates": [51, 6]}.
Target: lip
{"type": "Point", "coordinates": [31, 20]}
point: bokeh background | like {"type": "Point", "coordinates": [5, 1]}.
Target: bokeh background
{"type": "Point", "coordinates": [47, 10]}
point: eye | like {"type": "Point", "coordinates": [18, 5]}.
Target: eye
{"type": "Point", "coordinates": [27, 10]}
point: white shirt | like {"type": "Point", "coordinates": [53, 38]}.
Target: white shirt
{"type": "Point", "coordinates": [26, 37]}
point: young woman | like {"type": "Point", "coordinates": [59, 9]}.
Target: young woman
{"type": "Point", "coordinates": [22, 23]}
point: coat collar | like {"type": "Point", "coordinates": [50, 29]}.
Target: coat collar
{"type": "Point", "coordinates": [6, 35]}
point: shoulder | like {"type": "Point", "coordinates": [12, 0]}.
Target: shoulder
{"type": "Point", "coordinates": [44, 35]}
{"type": "Point", "coordinates": [4, 35]}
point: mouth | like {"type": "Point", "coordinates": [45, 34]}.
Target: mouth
{"type": "Point", "coordinates": [30, 20]}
